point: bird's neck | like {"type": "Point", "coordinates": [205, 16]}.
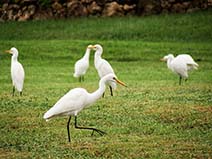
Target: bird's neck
{"type": "Point", "coordinates": [98, 93]}
{"type": "Point", "coordinates": [14, 58]}
{"type": "Point", "coordinates": [87, 54]}
{"type": "Point", "coordinates": [169, 62]}
{"type": "Point", "coordinates": [97, 57]}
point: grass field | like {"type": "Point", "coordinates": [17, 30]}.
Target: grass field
{"type": "Point", "coordinates": [153, 117]}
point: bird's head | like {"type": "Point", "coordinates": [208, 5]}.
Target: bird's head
{"type": "Point", "coordinates": [112, 78]}
{"type": "Point", "coordinates": [90, 47]}
{"type": "Point", "coordinates": [12, 51]}
{"type": "Point", "coordinates": [165, 58]}
{"type": "Point", "coordinates": [97, 47]}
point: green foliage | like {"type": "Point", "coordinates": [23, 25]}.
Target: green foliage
{"type": "Point", "coordinates": [176, 28]}
{"type": "Point", "coordinates": [44, 3]}
{"type": "Point", "coordinates": [153, 117]}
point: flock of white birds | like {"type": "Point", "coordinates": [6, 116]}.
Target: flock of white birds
{"type": "Point", "coordinates": [78, 98]}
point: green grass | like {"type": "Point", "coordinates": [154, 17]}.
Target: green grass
{"type": "Point", "coordinates": [153, 117]}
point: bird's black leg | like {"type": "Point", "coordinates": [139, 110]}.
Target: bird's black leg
{"type": "Point", "coordinates": [69, 138]}
{"type": "Point", "coordinates": [96, 130]}
{"type": "Point", "coordinates": [111, 91]}
{"type": "Point", "coordinates": [103, 95]}
{"type": "Point", "coordinates": [80, 79]}
{"type": "Point", "coordinates": [13, 90]}
{"type": "Point", "coordinates": [21, 93]}
{"type": "Point", "coordinates": [180, 80]}
{"type": "Point", "coordinates": [83, 78]}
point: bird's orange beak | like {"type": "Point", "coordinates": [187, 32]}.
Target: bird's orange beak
{"type": "Point", "coordinates": [8, 51]}
{"type": "Point", "coordinates": [120, 82]}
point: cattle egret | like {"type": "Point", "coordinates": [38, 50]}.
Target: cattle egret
{"type": "Point", "coordinates": [180, 65]}
{"type": "Point", "coordinates": [102, 66]}
{"type": "Point", "coordinates": [77, 99]}
{"type": "Point", "coordinates": [17, 71]}
{"type": "Point", "coordinates": [82, 65]}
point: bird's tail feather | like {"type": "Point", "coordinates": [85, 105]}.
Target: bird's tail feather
{"type": "Point", "coordinates": [193, 65]}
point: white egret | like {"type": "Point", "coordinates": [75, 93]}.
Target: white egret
{"type": "Point", "coordinates": [82, 65]}
{"type": "Point", "coordinates": [77, 99]}
{"type": "Point", "coordinates": [180, 64]}
{"type": "Point", "coordinates": [17, 71]}
{"type": "Point", "coordinates": [102, 66]}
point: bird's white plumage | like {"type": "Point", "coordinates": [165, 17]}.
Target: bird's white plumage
{"type": "Point", "coordinates": [17, 74]}
{"type": "Point", "coordinates": [102, 66]}
{"type": "Point", "coordinates": [190, 63]}
{"type": "Point", "coordinates": [77, 99]}
{"type": "Point", "coordinates": [70, 104]}
{"type": "Point", "coordinates": [180, 64]}
{"type": "Point", "coordinates": [17, 70]}
{"type": "Point", "coordinates": [82, 64]}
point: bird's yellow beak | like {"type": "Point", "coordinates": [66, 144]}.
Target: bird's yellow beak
{"type": "Point", "coordinates": [92, 47]}
{"type": "Point", "coordinates": [8, 51]}
{"type": "Point", "coordinates": [163, 60]}
{"type": "Point", "coordinates": [120, 82]}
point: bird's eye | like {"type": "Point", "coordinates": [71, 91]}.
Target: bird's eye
{"type": "Point", "coordinates": [114, 78]}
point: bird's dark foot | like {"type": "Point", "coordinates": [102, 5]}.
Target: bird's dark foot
{"type": "Point", "coordinates": [99, 132]}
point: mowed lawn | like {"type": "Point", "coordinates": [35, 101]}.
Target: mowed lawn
{"type": "Point", "coordinates": [153, 117]}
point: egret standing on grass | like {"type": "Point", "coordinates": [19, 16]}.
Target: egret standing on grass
{"type": "Point", "coordinates": [102, 66]}
{"type": "Point", "coordinates": [180, 64]}
{"type": "Point", "coordinates": [17, 71]}
{"type": "Point", "coordinates": [76, 100]}
{"type": "Point", "coordinates": [82, 65]}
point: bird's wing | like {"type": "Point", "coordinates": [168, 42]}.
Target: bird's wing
{"type": "Point", "coordinates": [191, 64]}
{"type": "Point", "coordinates": [179, 66]}
{"type": "Point", "coordinates": [70, 104]}
{"type": "Point", "coordinates": [104, 68]}
{"type": "Point", "coordinates": [18, 75]}
{"type": "Point", "coordinates": [81, 67]}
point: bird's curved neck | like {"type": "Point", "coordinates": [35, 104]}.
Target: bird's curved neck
{"type": "Point", "coordinates": [14, 58]}
{"type": "Point", "coordinates": [87, 54]}
{"type": "Point", "coordinates": [169, 61]}
{"type": "Point", "coordinates": [97, 56]}
{"type": "Point", "coordinates": [98, 93]}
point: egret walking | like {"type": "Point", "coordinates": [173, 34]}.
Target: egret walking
{"type": "Point", "coordinates": [102, 66]}
{"type": "Point", "coordinates": [76, 100]}
{"type": "Point", "coordinates": [180, 65]}
{"type": "Point", "coordinates": [17, 71]}
{"type": "Point", "coordinates": [82, 65]}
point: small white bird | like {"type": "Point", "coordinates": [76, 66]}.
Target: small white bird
{"type": "Point", "coordinates": [17, 71]}
{"type": "Point", "coordinates": [76, 100]}
{"type": "Point", "coordinates": [180, 64]}
{"type": "Point", "coordinates": [82, 65]}
{"type": "Point", "coordinates": [102, 66]}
